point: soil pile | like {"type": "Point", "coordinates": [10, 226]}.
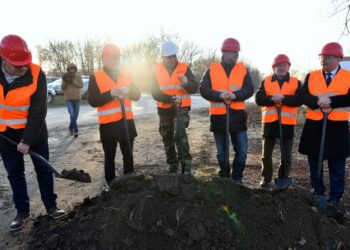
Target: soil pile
{"type": "Point", "coordinates": [181, 212]}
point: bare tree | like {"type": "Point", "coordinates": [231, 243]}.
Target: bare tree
{"type": "Point", "coordinates": [342, 7]}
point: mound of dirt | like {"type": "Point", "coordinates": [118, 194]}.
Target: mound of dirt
{"type": "Point", "coordinates": [181, 212]}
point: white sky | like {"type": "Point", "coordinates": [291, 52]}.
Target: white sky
{"type": "Point", "coordinates": [265, 28]}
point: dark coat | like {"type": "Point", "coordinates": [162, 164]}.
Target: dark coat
{"type": "Point", "coordinates": [271, 129]}
{"type": "Point", "coordinates": [35, 129]}
{"type": "Point", "coordinates": [238, 118]}
{"type": "Point", "coordinates": [114, 131]}
{"type": "Point", "coordinates": [337, 142]}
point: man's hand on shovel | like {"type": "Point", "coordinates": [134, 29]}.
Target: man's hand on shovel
{"type": "Point", "coordinates": [120, 92]}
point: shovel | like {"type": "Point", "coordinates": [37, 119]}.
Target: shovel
{"type": "Point", "coordinates": [321, 199]}
{"type": "Point", "coordinates": [179, 127]}
{"type": "Point", "coordinates": [283, 182]}
{"type": "Point", "coordinates": [76, 175]}
{"type": "Point", "coordinates": [227, 142]}
{"type": "Point", "coordinates": [126, 129]}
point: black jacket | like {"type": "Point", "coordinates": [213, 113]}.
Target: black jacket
{"type": "Point", "coordinates": [271, 129]}
{"type": "Point", "coordinates": [36, 129]}
{"type": "Point", "coordinates": [337, 145]}
{"type": "Point", "coordinates": [238, 118]}
{"type": "Point", "coordinates": [158, 95]}
{"type": "Point", "coordinates": [114, 131]}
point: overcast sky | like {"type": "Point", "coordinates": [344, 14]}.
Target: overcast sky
{"type": "Point", "coordinates": [298, 28]}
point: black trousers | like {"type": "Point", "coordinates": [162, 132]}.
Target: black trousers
{"type": "Point", "coordinates": [110, 148]}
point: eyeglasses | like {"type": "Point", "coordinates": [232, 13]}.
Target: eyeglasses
{"type": "Point", "coordinates": [19, 67]}
{"type": "Point", "coordinates": [327, 58]}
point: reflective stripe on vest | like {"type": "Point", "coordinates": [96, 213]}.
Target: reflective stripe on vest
{"type": "Point", "coordinates": [111, 111]}
{"type": "Point", "coordinates": [289, 115]}
{"type": "Point", "coordinates": [220, 82]}
{"type": "Point", "coordinates": [14, 107]}
{"type": "Point", "coordinates": [340, 85]}
{"type": "Point", "coordinates": [171, 85]}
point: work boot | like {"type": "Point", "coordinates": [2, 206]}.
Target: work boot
{"type": "Point", "coordinates": [265, 183]}
{"type": "Point", "coordinates": [75, 134]}
{"type": "Point", "coordinates": [56, 213]}
{"type": "Point", "coordinates": [238, 181]}
{"type": "Point", "coordinates": [173, 168]}
{"type": "Point", "coordinates": [19, 221]}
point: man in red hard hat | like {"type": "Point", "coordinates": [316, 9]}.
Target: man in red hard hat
{"type": "Point", "coordinates": [228, 82]}
{"type": "Point", "coordinates": [278, 89]}
{"type": "Point", "coordinates": [327, 90]}
{"type": "Point", "coordinates": [23, 94]}
{"type": "Point", "coordinates": [107, 87]}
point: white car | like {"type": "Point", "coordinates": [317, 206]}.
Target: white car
{"type": "Point", "coordinates": [50, 95]}
{"type": "Point", "coordinates": [56, 85]}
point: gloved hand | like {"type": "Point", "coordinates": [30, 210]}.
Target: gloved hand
{"type": "Point", "coordinates": [120, 92]}
{"type": "Point", "coordinates": [176, 100]}
{"type": "Point", "coordinates": [68, 77]}
{"type": "Point", "coordinates": [184, 80]}
{"type": "Point", "coordinates": [277, 98]}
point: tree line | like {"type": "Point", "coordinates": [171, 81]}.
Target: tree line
{"type": "Point", "coordinates": [139, 58]}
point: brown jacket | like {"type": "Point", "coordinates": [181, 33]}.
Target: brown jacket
{"type": "Point", "coordinates": [72, 83]}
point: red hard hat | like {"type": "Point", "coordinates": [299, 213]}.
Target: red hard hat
{"type": "Point", "coordinates": [332, 49]}
{"type": "Point", "coordinates": [15, 50]}
{"type": "Point", "coordinates": [281, 58]}
{"type": "Point", "coordinates": [110, 50]}
{"type": "Point", "coordinates": [230, 44]}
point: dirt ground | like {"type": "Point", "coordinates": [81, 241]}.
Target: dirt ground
{"type": "Point", "coordinates": [152, 210]}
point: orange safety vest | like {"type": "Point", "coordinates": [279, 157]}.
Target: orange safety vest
{"type": "Point", "coordinates": [14, 107]}
{"type": "Point", "coordinates": [111, 111]}
{"type": "Point", "coordinates": [220, 82]}
{"type": "Point", "coordinates": [171, 85]}
{"type": "Point", "coordinates": [340, 85]}
{"type": "Point", "coordinates": [288, 114]}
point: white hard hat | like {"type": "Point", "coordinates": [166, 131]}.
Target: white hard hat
{"type": "Point", "coordinates": [168, 49]}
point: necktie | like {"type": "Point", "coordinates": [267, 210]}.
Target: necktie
{"type": "Point", "coordinates": [329, 78]}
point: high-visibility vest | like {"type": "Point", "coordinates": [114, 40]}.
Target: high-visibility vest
{"type": "Point", "coordinates": [15, 105]}
{"type": "Point", "coordinates": [111, 111]}
{"type": "Point", "coordinates": [171, 85]}
{"type": "Point", "coordinates": [288, 114]}
{"type": "Point", "coordinates": [220, 82]}
{"type": "Point", "coordinates": [340, 85]}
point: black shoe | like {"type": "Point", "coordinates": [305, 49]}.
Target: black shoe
{"type": "Point", "coordinates": [264, 183]}
{"type": "Point", "coordinates": [56, 213]}
{"type": "Point", "coordinates": [75, 134]}
{"type": "Point", "coordinates": [19, 221]}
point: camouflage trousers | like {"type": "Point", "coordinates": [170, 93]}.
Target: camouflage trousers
{"type": "Point", "coordinates": [168, 129]}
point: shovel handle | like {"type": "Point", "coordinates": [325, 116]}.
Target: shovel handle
{"type": "Point", "coordinates": [36, 155]}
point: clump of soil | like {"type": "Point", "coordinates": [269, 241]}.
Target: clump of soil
{"type": "Point", "coordinates": [181, 212]}
{"type": "Point", "coordinates": [76, 175]}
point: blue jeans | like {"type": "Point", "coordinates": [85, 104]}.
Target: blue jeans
{"type": "Point", "coordinates": [73, 110]}
{"type": "Point", "coordinates": [336, 178]}
{"type": "Point", "coordinates": [240, 145]}
{"type": "Point", "coordinates": [14, 164]}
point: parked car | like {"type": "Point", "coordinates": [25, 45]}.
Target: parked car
{"type": "Point", "coordinates": [56, 86]}
{"type": "Point", "coordinates": [84, 90]}
{"type": "Point", "coordinates": [50, 95]}
{"type": "Point", "coordinates": [50, 79]}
